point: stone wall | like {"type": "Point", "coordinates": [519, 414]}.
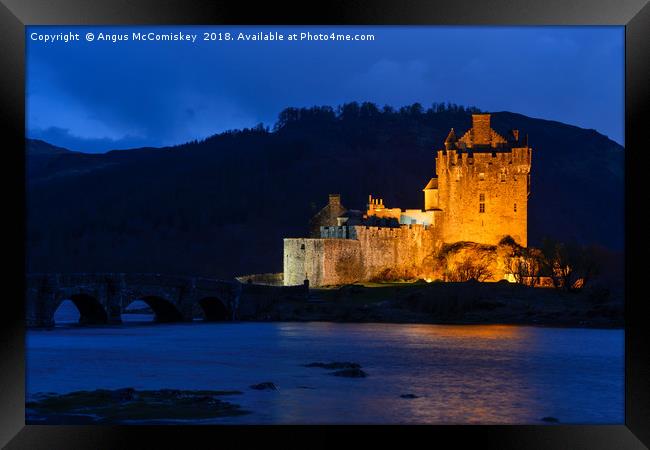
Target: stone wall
{"type": "Point", "coordinates": [321, 261]}
{"type": "Point", "coordinates": [392, 253]}
{"type": "Point", "coordinates": [369, 253]}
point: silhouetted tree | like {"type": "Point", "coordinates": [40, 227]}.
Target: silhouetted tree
{"type": "Point", "coordinates": [570, 265]}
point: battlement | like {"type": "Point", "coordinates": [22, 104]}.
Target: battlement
{"type": "Point", "coordinates": [375, 232]}
{"type": "Point", "coordinates": [361, 232]}
{"type": "Point", "coordinates": [517, 158]}
{"type": "Point", "coordinates": [336, 232]}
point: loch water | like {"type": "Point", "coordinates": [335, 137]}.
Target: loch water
{"type": "Point", "coordinates": [456, 374]}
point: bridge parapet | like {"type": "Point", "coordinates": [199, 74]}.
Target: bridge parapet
{"type": "Point", "coordinates": [103, 297]}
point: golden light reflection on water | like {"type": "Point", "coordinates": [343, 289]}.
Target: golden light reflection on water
{"type": "Point", "coordinates": [465, 331]}
{"type": "Point", "coordinates": [460, 373]}
{"type": "Point", "coordinates": [479, 393]}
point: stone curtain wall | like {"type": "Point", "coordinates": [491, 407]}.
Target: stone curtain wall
{"type": "Point", "coordinates": [321, 261]}
{"type": "Point", "coordinates": [393, 253]}
{"type": "Point", "coordinates": [371, 253]}
{"type": "Point", "coordinates": [502, 177]}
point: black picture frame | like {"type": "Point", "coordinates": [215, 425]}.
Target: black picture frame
{"type": "Point", "coordinates": [16, 14]}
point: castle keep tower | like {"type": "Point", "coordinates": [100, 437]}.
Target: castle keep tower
{"type": "Point", "coordinates": [479, 194]}
{"type": "Point", "coordinates": [482, 185]}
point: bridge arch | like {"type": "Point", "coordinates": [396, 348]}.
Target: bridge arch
{"type": "Point", "coordinates": [103, 297]}
{"type": "Point", "coordinates": [214, 309]}
{"type": "Point", "coordinates": [91, 311]}
{"type": "Point", "coordinates": [163, 309]}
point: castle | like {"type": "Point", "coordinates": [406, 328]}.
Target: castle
{"type": "Point", "coordinates": [479, 194]}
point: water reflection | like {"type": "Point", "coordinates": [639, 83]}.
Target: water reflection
{"type": "Point", "coordinates": [460, 374]}
{"type": "Point", "coordinates": [500, 332]}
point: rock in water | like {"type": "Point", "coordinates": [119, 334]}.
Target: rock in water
{"type": "Point", "coordinates": [550, 419]}
{"type": "Point", "coordinates": [350, 373]}
{"type": "Point", "coordinates": [409, 396]}
{"type": "Point", "coordinates": [335, 365]}
{"type": "Point", "coordinates": [267, 385]}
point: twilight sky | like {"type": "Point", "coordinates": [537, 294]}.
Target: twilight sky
{"type": "Point", "coordinates": [102, 95]}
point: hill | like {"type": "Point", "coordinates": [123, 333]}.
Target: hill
{"type": "Point", "coordinates": [221, 206]}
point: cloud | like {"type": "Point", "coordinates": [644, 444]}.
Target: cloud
{"type": "Point", "coordinates": [391, 81]}
{"type": "Point", "coordinates": [102, 97]}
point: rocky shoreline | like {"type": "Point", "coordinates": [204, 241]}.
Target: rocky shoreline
{"type": "Point", "coordinates": [104, 406]}
{"type": "Point", "coordinates": [128, 405]}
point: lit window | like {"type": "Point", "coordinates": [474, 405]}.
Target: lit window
{"type": "Point", "coordinates": [481, 176]}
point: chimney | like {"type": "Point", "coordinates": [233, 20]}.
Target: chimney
{"type": "Point", "coordinates": [481, 134]}
{"type": "Point", "coordinates": [515, 134]}
{"type": "Point", "coordinates": [335, 199]}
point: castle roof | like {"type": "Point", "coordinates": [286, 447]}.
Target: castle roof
{"type": "Point", "coordinates": [352, 213]}
{"type": "Point", "coordinates": [481, 134]}
{"type": "Point", "coordinates": [432, 184]}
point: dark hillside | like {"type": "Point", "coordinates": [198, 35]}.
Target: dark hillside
{"type": "Point", "coordinates": [221, 206]}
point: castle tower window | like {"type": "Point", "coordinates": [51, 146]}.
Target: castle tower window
{"type": "Point", "coordinates": [515, 207]}
{"type": "Point", "coordinates": [481, 207]}
{"type": "Point", "coordinates": [481, 176]}
{"type": "Point", "coordinates": [481, 197]}
{"type": "Point", "coordinates": [302, 247]}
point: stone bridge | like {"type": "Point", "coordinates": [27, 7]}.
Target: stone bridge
{"type": "Point", "coordinates": [101, 298]}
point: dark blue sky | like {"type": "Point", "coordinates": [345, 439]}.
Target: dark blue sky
{"type": "Point", "coordinates": [103, 95]}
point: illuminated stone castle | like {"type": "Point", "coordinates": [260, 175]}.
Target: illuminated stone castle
{"type": "Point", "coordinates": [479, 194]}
